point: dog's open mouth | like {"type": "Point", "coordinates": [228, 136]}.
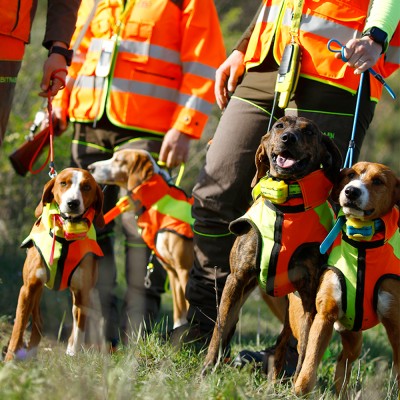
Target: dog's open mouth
{"type": "Point", "coordinates": [286, 160]}
{"type": "Point", "coordinates": [353, 209]}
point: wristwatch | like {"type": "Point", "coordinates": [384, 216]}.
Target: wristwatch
{"type": "Point", "coordinates": [64, 52]}
{"type": "Point", "coordinates": [378, 36]}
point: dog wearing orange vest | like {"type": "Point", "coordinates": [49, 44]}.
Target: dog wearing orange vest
{"type": "Point", "coordinates": [62, 253]}
{"type": "Point", "coordinates": [166, 231]}
{"type": "Point", "coordinates": [361, 283]}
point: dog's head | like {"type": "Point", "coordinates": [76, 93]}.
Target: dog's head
{"type": "Point", "coordinates": [74, 190]}
{"type": "Point", "coordinates": [128, 168]}
{"type": "Point", "coordinates": [294, 148]}
{"type": "Point", "coordinates": [367, 191]}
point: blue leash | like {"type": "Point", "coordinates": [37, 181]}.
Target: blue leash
{"type": "Point", "coordinates": [330, 238]}
{"type": "Point", "coordinates": [349, 156]}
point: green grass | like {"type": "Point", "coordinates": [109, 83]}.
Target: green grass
{"type": "Point", "coordinates": [150, 369]}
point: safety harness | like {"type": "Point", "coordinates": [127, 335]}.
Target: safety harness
{"type": "Point", "coordinates": [62, 243]}
{"type": "Point", "coordinates": [362, 256]}
{"type": "Point", "coordinates": [161, 207]}
{"type": "Point", "coordinates": [287, 216]}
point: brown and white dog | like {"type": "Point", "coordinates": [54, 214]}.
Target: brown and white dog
{"type": "Point", "coordinates": [169, 237]}
{"type": "Point", "coordinates": [296, 165]}
{"type": "Point", "coordinates": [62, 252]}
{"type": "Point", "coordinates": [361, 284]}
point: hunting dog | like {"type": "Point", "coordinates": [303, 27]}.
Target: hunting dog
{"type": "Point", "coordinates": [361, 284]}
{"type": "Point", "coordinates": [62, 252]}
{"type": "Point", "coordinates": [163, 229]}
{"type": "Point", "coordinates": [296, 167]}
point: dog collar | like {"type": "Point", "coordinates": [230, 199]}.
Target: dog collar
{"type": "Point", "coordinates": [313, 189]}
{"type": "Point", "coordinates": [71, 228]}
{"type": "Point", "coordinates": [363, 230]}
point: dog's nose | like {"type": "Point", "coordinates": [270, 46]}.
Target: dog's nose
{"type": "Point", "coordinates": [73, 204]}
{"type": "Point", "coordinates": [289, 137]}
{"type": "Point", "coordinates": [352, 193]}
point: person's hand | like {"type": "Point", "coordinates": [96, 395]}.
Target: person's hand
{"type": "Point", "coordinates": [55, 62]}
{"type": "Point", "coordinates": [227, 77]}
{"type": "Point", "coordinates": [361, 53]}
{"type": "Point", "coordinates": [175, 148]}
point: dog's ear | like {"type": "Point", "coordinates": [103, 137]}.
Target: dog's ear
{"type": "Point", "coordinates": [262, 163]}
{"type": "Point", "coordinates": [98, 208]}
{"type": "Point", "coordinates": [47, 197]}
{"type": "Point", "coordinates": [339, 184]}
{"type": "Point", "coordinates": [331, 159]}
{"type": "Point", "coordinates": [141, 170]}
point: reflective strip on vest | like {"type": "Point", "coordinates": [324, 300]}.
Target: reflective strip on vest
{"type": "Point", "coordinates": [360, 265]}
{"type": "Point", "coordinates": [159, 78]}
{"type": "Point", "coordinates": [320, 22]}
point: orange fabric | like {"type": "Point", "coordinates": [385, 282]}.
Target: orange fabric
{"type": "Point", "coordinates": [345, 20]}
{"type": "Point", "coordinates": [370, 269]}
{"type": "Point", "coordinates": [16, 18]}
{"type": "Point", "coordinates": [151, 221]}
{"type": "Point", "coordinates": [146, 90]}
{"type": "Point", "coordinates": [11, 49]}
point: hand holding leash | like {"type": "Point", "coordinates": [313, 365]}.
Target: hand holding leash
{"type": "Point", "coordinates": [335, 46]}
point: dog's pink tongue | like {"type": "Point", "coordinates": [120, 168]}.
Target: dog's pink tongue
{"type": "Point", "coordinates": [284, 162]}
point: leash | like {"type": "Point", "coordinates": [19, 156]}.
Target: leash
{"type": "Point", "coordinates": [350, 151]}
{"type": "Point", "coordinates": [48, 134]}
{"type": "Point", "coordinates": [340, 221]}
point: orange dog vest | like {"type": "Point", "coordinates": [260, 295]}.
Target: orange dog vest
{"type": "Point", "coordinates": [303, 220]}
{"type": "Point", "coordinates": [163, 207]}
{"type": "Point", "coordinates": [63, 252]}
{"type": "Point", "coordinates": [361, 266]}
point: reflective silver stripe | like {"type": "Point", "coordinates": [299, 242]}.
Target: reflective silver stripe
{"type": "Point", "coordinates": [162, 53]}
{"type": "Point", "coordinates": [152, 50]}
{"type": "Point", "coordinates": [270, 14]}
{"type": "Point", "coordinates": [195, 103]}
{"type": "Point", "coordinates": [95, 44]}
{"type": "Point", "coordinates": [199, 69]}
{"type": "Point", "coordinates": [160, 92]}
{"type": "Point", "coordinates": [322, 27]}
{"type": "Point", "coordinates": [89, 82]}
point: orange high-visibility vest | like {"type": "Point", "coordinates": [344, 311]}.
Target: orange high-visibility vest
{"type": "Point", "coordinates": [66, 253]}
{"type": "Point", "coordinates": [163, 68]}
{"type": "Point", "coordinates": [163, 207]}
{"type": "Point", "coordinates": [320, 22]}
{"type": "Point", "coordinates": [361, 266]}
{"type": "Point", "coordinates": [284, 228]}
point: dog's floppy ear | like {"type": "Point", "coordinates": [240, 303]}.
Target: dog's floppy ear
{"type": "Point", "coordinates": [331, 159]}
{"type": "Point", "coordinates": [98, 208]}
{"type": "Point", "coordinates": [339, 184]}
{"type": "Point", "coordinates": [47, 197]}
{"type": "Point", "coordinates": [262, 163]}
{"type": "Point", "coordinates": [141, 170]}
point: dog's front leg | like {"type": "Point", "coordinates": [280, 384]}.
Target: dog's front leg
{"type": "Point", "coordinates": [388, 309]}
{"type": "Point", "coordinates": [239, 284]}
{"type": "Point", "coordinates": [320, 333]}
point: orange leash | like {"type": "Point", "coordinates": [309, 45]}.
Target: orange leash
{"type": "Point", "coordinates": [48, 133]}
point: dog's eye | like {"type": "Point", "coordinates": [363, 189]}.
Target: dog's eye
{"type": "Point", "coordinates": [377, 182]}
{"type": "Point", "coordinates": [63, 183]}
{"type": "Point", "coordinates": [308, 132]}
{"type": "Point", "coordinates": [86, 188]}
{"type": "Point", "coordinates": [351, 175]}
{"type": "Point", "coordinates": [279, 125]}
